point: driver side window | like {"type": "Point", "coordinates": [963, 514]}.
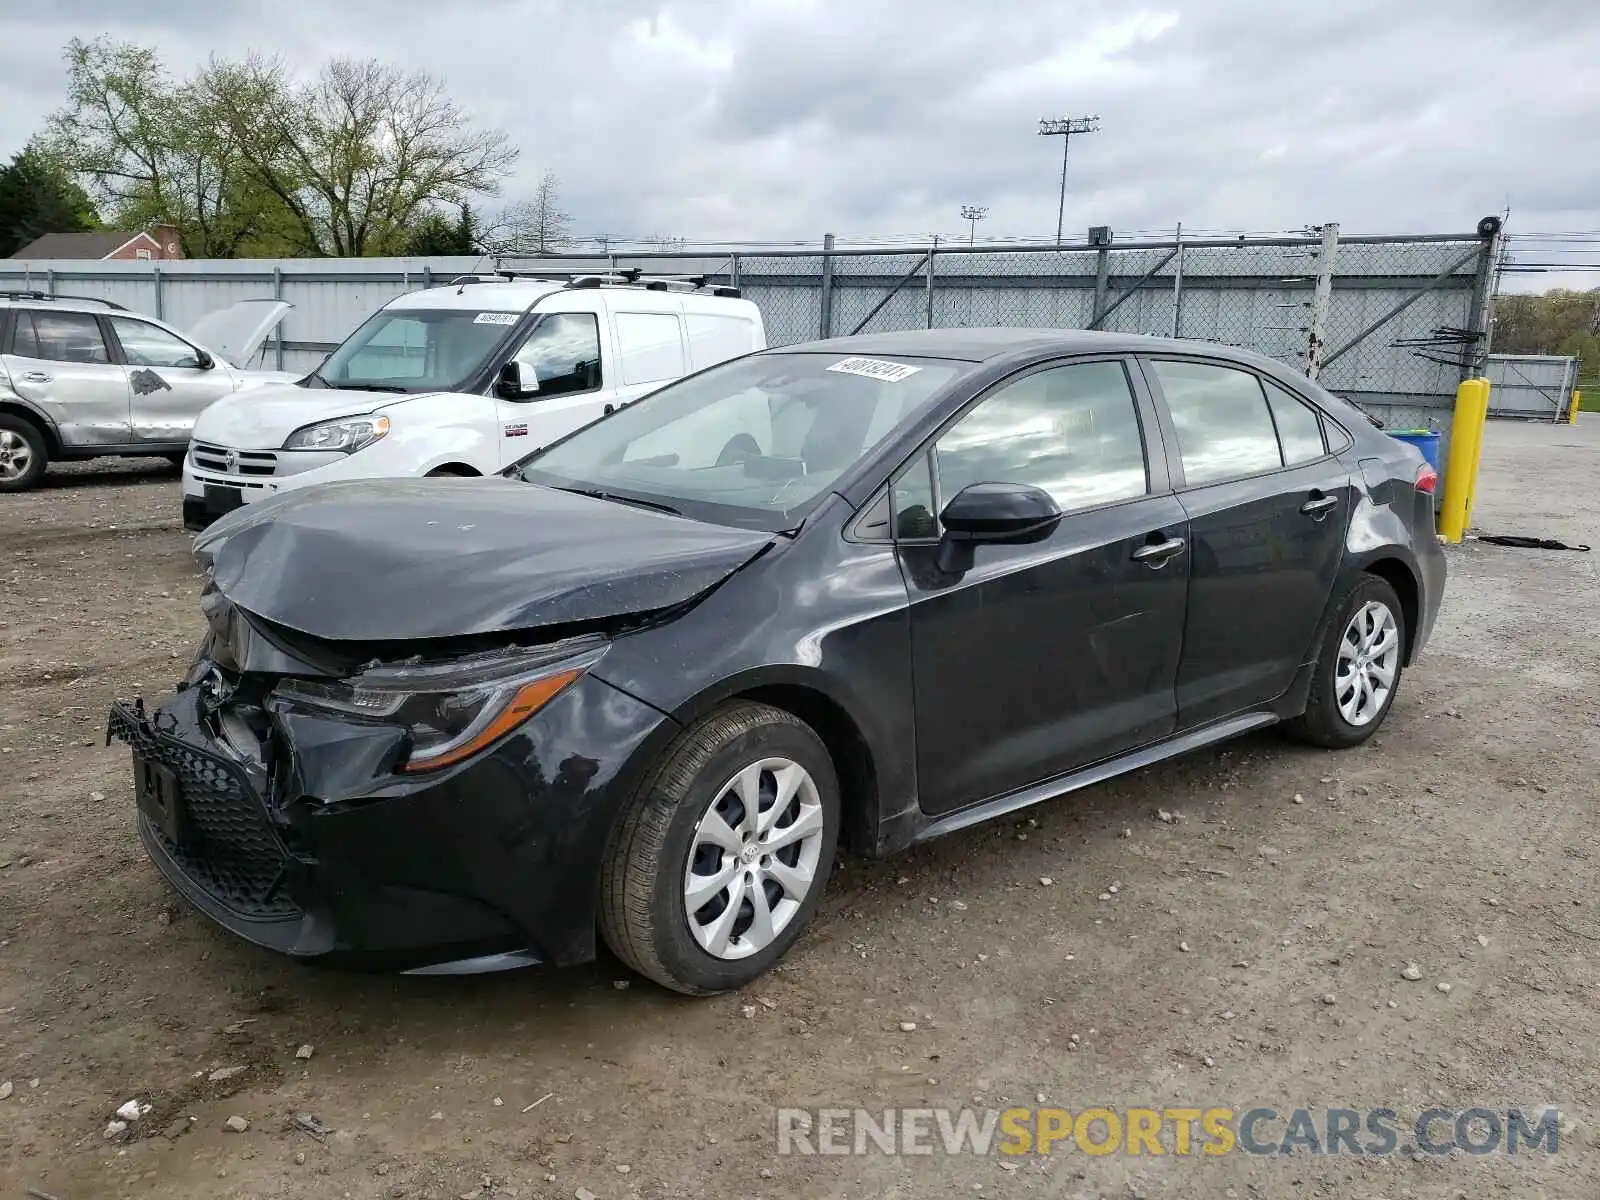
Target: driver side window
{"type": "Point", "coordinates": [561, 355]}
{"type": "Point", "coordinates": [144, 345]}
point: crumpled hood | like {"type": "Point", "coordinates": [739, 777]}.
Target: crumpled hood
{"type": "Point", "coordinates": [262, 416]}
{"type": "Point", "coordinates": [397, 559]}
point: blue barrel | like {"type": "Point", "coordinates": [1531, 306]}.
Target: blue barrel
{"type": "Point", "coordinates": [1426, 440]}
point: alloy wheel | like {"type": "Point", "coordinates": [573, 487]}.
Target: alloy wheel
{"type": "Point", "coordinates": [1369, 660]}
{"type": "Point", "coordinates": [16, 456]}
{"type": "Point", "coordinates": [753, 858]}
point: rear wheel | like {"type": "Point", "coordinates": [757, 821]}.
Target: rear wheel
{"type": "Point", "coordinates": [723, 855]}
{"type": "Point", "coordinates": [23, 453]}
{"type": "Point", "coordinates": [1358, 667]}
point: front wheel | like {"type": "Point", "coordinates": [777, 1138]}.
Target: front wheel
{"type": "Point", "coordinates": [723, 854]}
{"type": "Point", "coordinates": [1358, 667]}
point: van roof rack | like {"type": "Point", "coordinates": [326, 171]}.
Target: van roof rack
{"type": "Point", "coordinates": [63, 296]}
{"type": "Point", "coordinates": [621, 277]}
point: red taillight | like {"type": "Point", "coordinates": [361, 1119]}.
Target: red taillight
{"type": "Point", "coordinates": [1427, 479]}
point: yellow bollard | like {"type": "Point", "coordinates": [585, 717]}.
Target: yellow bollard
{"type": "Point", "coordinates": [1477, 453]}
{"type": "Point", "coordinates": [1461, 470]}
{"type": "Point", "coordinates": [1572, 409]}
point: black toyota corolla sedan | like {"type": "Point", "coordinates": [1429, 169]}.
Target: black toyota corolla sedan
{"type": "Point", "coordinates": [861, 592]}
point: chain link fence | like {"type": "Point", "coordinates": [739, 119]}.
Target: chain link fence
{"type": "Point", "coordinates": [1393, 322]}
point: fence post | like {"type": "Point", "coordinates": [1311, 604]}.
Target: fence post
{"type": "Point", "coordinates": [1177, 288]}
{"type": "Point", "coordinates": [1102, 281]}
{"type": "Point", "coordinates": [277, 294]}
{"type": "Point", "coordinates": [50, 280]}
{"type": "Point", "coordinates": [932, 251]}
{"type": "Point", "coordinates": [736, 269]}
{"type": "Point", "coordinates": [161, 313]}
{"type": "Point", "coordinates": [427, 275]}
{"type": "Point", "coordinates": [825, 323]}
{"type": "Point", "coordinates": [1322, 300]}
{"type": "Point", "coordinates": [1476, 360]}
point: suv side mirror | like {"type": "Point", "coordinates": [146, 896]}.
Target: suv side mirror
{"type": "Point", "coordinates": [510, 384]}
{"type": "Point", "coordinates": [204, 361]}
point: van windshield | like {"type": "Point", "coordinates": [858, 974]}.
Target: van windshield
{"type": "Point", "coordinates": [416, 350]}
{"type": "Point", "coordinates": [756, 442]}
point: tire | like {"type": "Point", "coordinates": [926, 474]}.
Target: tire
{"type": "Point", "coordinates": [644, 907]}
{"type": "Point", "coordinates": [24, 453]}
{"type": "Point", "coordinates": [1325, 721]}
{"type": "Point", "coordinates": [176, 460]}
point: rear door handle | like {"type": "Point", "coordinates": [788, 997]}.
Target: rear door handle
{"type": "Point", "coordinates": [1156, 555]}
{"type": "Point", "coordinates": [1319, 506]}
{"type": "Point", "coordinates": [35, 377]}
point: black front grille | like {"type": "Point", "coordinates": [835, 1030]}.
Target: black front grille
{"type": "Point", "coordinates": [246, 462]}
{"type": "Point", "coordinates": [230, 849]}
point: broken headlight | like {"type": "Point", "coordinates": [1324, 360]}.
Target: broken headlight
{"type": "Point", "coordinates": [454, 709]}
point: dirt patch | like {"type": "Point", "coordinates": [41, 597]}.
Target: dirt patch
{"type": "Point", "coordinates": [1177, 961]}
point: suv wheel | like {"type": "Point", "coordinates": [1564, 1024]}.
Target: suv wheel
{"type": "Point", "coordinates": [1358, 667]}
{"type": "Point", "coordinates": [23, 453]}
{"type": "Point", "coordinates": [722, 857]}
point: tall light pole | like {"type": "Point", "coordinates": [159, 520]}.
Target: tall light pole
{"type": "Point", "coordinates": [1064, 128]}
{"type": "Point", "coordinates": [972, 214]}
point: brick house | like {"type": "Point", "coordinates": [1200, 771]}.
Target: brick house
{"type": "Point", "coordinates": [107, 245]}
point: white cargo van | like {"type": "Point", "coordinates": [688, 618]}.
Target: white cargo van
{"type": "Point", "coordinates": [463, 380]}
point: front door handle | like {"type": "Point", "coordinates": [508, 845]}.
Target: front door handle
{"type": "Point", "coordinates": [1157, 554]}
{"type": "Point", "coordinates": [35, 377]}
{"type": "Point", "coordinates": [1320, 506]}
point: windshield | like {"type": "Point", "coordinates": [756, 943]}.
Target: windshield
{"type": "Point", "coordinates": [416, 350]}
{"type": "Point", "coordinates": [755, 442]}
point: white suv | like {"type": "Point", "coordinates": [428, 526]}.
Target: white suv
{"type": "Point", "coordinates": [463, 379]}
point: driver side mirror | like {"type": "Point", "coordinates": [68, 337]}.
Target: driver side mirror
{"type": "Point", "coordinates": [204, 361]}
{"type": "Point", "coordinates": [511, 385]}
{"type": "Point", "coordinates": [999, 513]}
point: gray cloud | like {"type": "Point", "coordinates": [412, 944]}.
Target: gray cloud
{"type": "Point", "coordinates": [775, 119]}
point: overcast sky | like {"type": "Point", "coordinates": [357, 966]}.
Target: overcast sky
{"type": "Point", "coordinates": [782, 119]}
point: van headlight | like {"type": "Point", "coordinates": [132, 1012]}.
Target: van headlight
{"type": "Point", "coordinates": [453, 710]}
{"type": "Point", "coordinates": [347, 434]}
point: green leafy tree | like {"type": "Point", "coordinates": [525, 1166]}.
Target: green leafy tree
{"type": "Point", "coordinates": [435, 233]}
{"type": "Point", "coordinates": [1559, 321]}
{"type": "Point", "coordinates": [244, 159]}
{"type": "Point", "coordinates": [39, 196]}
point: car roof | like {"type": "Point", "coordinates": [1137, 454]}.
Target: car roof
{"type": "Point", "coordinates": [520, 295]}
{"type": "Point", "coordinates": [86, 304]}
{"type": "Point", "coordinates": [985, 344]}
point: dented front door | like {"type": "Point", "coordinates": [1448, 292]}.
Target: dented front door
{"type": "Point", "coordinates": [168, 383]}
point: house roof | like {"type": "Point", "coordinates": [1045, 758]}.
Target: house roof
{"type": "Point", "coordinates": [101, 244]}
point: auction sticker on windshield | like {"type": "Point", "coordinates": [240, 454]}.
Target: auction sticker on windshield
{"type": "Point", "coordinates": [875, 368]}
{"type": "Point", "coordinates": [496, 318]}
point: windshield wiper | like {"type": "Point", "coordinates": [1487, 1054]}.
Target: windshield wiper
{"type": "Point", "coordinates": [597, 494]}
{"type": "Point", "coordinates": [367, 387]}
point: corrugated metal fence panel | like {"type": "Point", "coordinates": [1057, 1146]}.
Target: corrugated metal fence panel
{"type": "Point", "coordinates": [1536, 386]}
{"type": "Point", "coordinates": [1252, 294]}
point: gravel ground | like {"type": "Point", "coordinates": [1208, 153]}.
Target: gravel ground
{"type": "Point", "coordinates": [1461, 840]}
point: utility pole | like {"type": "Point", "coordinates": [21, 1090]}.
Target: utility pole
{"type": "Point", "coordinates": [1064, 128]}
{"type": "Point", "coordinates": [972, 214]}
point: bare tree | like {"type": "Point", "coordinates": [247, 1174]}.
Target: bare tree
{"type": "Point", "coordinates": [360, 152]}
{"type": "Point", "coordinates": [547, 225]}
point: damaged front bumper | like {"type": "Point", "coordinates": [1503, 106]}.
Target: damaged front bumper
{"type": "Point", "coordinates": [319, 849]}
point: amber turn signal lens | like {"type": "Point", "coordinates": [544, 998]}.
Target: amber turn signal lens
{"type": "Point", "coordinates": [527, 700]}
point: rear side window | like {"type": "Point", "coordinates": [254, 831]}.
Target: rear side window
{"type": "Point", "coordinates": [1071, 430]}
{"type": "Point", "coordinates": [650, 347]}
{"type": "Point", "coordinates": [1224, 428]}
{"type": "Point", "coordinates": [715, 337]}
{"type": "Point", "coordinates": [60, 337]}
{"type": "Point", "coordinates": [1299, 429]}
